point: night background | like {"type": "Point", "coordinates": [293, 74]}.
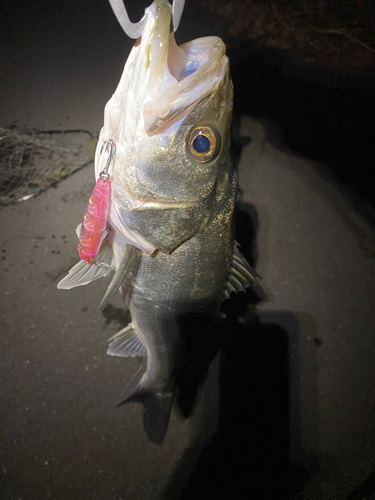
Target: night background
{"type": "Point", "coordinates": [288, 406]}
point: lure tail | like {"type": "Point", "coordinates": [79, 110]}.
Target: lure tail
{"type": "Point", "coordinates": [157, 408]}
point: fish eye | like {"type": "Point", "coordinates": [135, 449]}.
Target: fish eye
{"type": "Point", "coordinates": [203, 144]}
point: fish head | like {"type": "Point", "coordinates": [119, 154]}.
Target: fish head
{"type": "Point", "coordinates": [170, 119]}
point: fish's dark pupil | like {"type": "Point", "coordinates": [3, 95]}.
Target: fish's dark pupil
{"type": "Point", "coordinates": [201, 144]}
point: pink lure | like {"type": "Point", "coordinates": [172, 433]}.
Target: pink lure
{"type": "Point", "coordinates": [94, 221]}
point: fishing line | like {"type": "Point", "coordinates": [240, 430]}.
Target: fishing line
{"type": "Point", "coordinates": [135, 374]}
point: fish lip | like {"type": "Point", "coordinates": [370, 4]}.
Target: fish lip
{"type": "Point", "coordinates": [125, 201]}
{"type": "Point", "coordinates": [162, 205]}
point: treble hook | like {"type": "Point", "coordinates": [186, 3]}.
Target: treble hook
{"type": "Point", "coordinates": [134, 30]}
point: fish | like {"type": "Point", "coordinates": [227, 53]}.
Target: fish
{"type": "Point", "coordinates": [169, 234]}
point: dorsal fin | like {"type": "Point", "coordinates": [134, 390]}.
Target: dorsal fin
{"type": "Point", "coordinates": [126, 343]}
{"type": "Point", "coordinates": [241, 275]}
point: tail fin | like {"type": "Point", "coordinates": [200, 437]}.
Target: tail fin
{"type": "Point", "coordinates": [157, 408]}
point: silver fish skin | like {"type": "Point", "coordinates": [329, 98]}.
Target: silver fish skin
{"type": "Point", "coordinates": [171, 227]}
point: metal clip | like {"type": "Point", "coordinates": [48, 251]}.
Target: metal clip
{"type": "Point", "coordinates": [111, 146]}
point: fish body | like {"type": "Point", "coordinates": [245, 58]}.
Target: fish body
{"type": "Point", "coordinates": [172, 300]}
{"type": "Point", "coordinates": [170, 229]}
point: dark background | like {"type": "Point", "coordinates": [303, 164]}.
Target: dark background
{"type": "Point", "coordinates": [288, 407]}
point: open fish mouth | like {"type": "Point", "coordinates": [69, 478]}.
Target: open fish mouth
{"type": "Point", "coordinates": [179, 76]}
{"type": "Point", "coordinates": [161, 80]}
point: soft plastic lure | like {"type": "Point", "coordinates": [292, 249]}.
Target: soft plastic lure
{"type": "Point", "coordinates": [96, 213]}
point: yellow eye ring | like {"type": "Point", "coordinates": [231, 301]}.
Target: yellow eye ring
{"type": "Point", "coordinates": [203, 144]}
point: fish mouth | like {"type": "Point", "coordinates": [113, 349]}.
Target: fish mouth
{"type": "Point", "coordinates": [133, 205]}
{"type": "Point", "coordinates": [178, 76]}
{"type": "Point", "coordinates": [162, 205]}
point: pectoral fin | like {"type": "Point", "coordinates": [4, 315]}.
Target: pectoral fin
{"type": "Point", "coordinates": [130, 254]}
{"type": "Point", "coordinates": [126, 343]}
{"type": "Point", "coordinates": [83, 273]}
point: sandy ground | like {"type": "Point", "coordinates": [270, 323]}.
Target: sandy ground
{"type": "Point", "coordinates": [288, 409]}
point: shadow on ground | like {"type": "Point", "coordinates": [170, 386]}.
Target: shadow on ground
{"type": "Point", "coordinates": [323, 115]}
{"type": "Point", "coordinates": [250, 454]}
{"type": "Point", "coordinates": [364, 490]}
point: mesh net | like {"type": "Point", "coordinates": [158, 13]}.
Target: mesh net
{"type": "Point", "coordinates": [33, 161]}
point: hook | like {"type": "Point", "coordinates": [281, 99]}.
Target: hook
{"type": "Point", "coordinates": [134, 30]}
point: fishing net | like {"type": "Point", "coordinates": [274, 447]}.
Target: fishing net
{"type": "Point", "coordinates": [33, 161]}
